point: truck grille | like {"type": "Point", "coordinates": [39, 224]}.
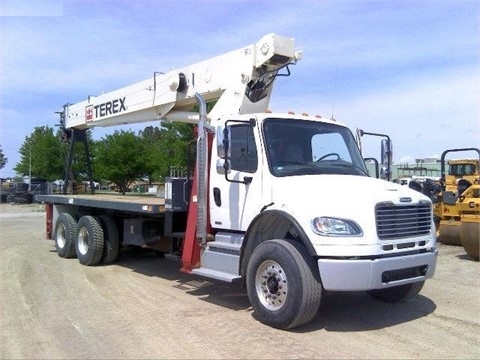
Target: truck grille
{"type": "Point", "coordinates": [401, 221]}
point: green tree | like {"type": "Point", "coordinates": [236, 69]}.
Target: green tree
{"type": "Point", "coordinates": [120, 158]}
{"type": "Point", "coordinates": [175, 141]}
{"type": "Point", "coordinates": [151, 138]}
{"type": "Point", "coordinates": [3, 159]}
{"type": "Point", "coordinates": [165, 147]}
{"type": "Point", "coordinates": [41, 155]}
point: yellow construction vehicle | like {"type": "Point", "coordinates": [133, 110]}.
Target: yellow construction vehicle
{"type": "Point", "coordinates": [468, 205]}
{"type": "Point", "coordinates": [452, 204]}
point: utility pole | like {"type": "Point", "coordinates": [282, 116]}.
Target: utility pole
{"type": "Point", "coordinates": [30, 172]}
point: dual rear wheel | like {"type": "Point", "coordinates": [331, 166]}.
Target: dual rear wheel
{"type": "Point", "coordinates": [92, 240]}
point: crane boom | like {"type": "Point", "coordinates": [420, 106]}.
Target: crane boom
{"type": "Point", "coordinates": [240, 81]}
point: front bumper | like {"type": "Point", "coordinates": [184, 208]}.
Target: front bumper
{"type": "Point", "coordinates": [358, 275]}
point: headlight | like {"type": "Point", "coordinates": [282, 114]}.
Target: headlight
{"type": "Point", "coordinates": [328, 226]}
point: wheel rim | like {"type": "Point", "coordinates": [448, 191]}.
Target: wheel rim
{"type": "Point", "coordinates": [61, 240]}
{"type": "Point", "coordinates": [271, 285]}
{"type": "Point", "coordinates": [82, 240]}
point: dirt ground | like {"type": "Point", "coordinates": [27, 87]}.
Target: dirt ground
{"type": "Point", "coordinates": [143, 307]}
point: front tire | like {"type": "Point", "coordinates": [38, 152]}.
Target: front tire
{"type": "Point", "coordinates": [397, 293]}
{"type": "Point", "coordinates": [90, 243]}
{"type": "Point", "coordinates": [283, 284]}
{"type": "Point", "coordinates": [64, 235]}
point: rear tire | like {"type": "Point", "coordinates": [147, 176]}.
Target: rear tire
{"type": "Point", "coordinates": [283, 284]}
{"type": "Point", "coordinates": [111, 247]}
{"type": "Point", "coordinates": [397, 293]}
{"type": "Point", "coordinates": [89, 244]}
{"type": "Point", "coordinates": [64, 235]}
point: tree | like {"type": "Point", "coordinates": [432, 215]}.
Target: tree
{"type": "Point", "coordinates": [120, 158]}
{"type": "Point", "coordinates": [41, 155]}
{"type": "Point", "coordinates": [165, 147]}
{"type": "Point", "coordinates": [175, 142]}
{"type": "Point", "coordinates": [3, 159]}
{"type": "Point", "coordinates": [151, 138]}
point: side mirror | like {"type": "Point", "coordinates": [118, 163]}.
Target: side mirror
{"type": "Point", "coordinates": [222, 167]}
{"type": "Point", "coordinates": [384, 172]}
{"type": "Point", "coordinates": [226, 142]}
{"type": "Point", "coordinates": [223, 148]}
{"type": "Point", "coordinates": [386, 152]}
{"type": "Point", "coordinates": [386, 158]}
{"type": "Point", "coordinates": [220, 145]}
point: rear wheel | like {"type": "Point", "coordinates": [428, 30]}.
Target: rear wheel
{"type": "Point", "coordinates": [397, 293]}
{"type": "Point", "coordinates": [283, 284]}
{"type": "Point", "coordinates": [64, 235]}
{"type": "Point", "coordinates": [90, 243]}
{"type": "Point", "coordinates": [112, 241]}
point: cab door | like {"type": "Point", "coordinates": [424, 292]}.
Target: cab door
{"type": "Point", "coordinates": [235, 197]}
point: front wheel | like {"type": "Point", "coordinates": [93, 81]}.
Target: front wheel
{"type": "Point", "coordinates": [283, 284]}
{"type": "Point", "coordinates": [397, 293]}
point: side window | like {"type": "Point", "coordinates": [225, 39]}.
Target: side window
{"type": "Point", "coordinates": [243, 150]}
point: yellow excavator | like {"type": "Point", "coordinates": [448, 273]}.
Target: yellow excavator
{"type": "Point", "coordinates": [457, 208]}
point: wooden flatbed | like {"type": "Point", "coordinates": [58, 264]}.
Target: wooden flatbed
{"type": "Point", "coordinates": [131, 203]}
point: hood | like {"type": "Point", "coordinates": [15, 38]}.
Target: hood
{"type": "Point", "coordinates": [342, 196]}
{"type": "Point", "coordinates": [339, 193]}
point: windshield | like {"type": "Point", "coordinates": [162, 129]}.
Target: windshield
{"type": "Point", "coordinates": [461, 169]}
{"type": "Point", "coordinates": [299, 147]}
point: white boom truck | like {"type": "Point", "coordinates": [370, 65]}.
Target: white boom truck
{"type": "Point", "coordinates": [268, 205]}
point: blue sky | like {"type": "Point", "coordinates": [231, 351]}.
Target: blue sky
{"type": "Point", "coordinates": [410, 69]}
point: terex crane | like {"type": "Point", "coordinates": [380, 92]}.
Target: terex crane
{"type": "Point", "coordinates": [268, 205]}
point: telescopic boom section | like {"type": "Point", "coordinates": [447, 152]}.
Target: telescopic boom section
{"type": "Point", "coordinates": [240, 81]}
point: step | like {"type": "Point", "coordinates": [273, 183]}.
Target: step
{"type": "Point", "coordinates": [222, 245]}
{"type": "Point", "coordinates": [215, 274]}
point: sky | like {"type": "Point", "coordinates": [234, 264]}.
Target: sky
{"type": "Point", "coordinates": [409, 69]}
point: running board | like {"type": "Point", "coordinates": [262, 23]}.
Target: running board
{"type": "Point", "coordinates": [221, 258]}
{"type": "Point", "coordinates": [215, 274]}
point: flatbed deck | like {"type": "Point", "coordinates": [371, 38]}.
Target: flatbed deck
{"type": "Point", "coordinates": [131, 203]}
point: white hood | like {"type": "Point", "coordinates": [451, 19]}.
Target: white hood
{"type": "Point", "coordinates": [343, 196]}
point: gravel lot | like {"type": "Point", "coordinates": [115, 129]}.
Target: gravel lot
{"type": "Point", "coordinates": [144, 307]}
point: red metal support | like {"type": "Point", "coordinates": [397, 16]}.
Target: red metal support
{"type": "Point", "coordinates": [48, 221]}
{"type": "Point", "coordinates": [191, 247]}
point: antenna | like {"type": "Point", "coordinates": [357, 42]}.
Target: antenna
{"type": "Point", "coordinates": [334, 93]}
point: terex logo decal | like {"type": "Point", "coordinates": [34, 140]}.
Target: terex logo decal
{"type": "Point", "coordinates": [107, 108]}
{"type": "Point", "coordinates": [89, 113]}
